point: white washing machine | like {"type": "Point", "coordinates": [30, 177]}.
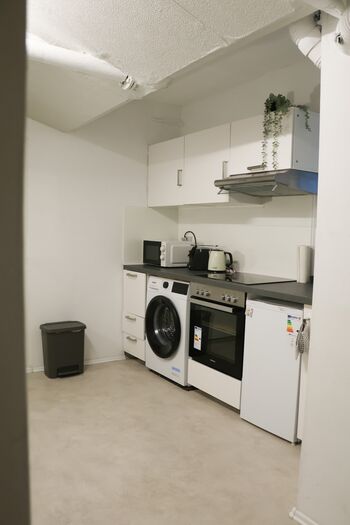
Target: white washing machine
{"type": "Point", "coordinates": [166, 320]}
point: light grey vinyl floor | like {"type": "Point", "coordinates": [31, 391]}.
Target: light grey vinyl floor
{"type": "Point", "coordinates": [120, 445]}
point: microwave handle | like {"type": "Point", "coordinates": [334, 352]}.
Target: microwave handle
{"type": "Point", "coordinates": [213, 306]}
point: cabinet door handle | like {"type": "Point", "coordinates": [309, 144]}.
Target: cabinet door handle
{"type": "Point", "coordinates": [257, 167]}
{"type": "Point", "coordinates": [134, 275]}
{"type": "Point", "coordinates": [224, 169]}
{"type": "Point", "coordinates": [130, 318]}
{"type": "Point", "coordinates": [179, 178]}
{"type": "Point", "coordinates": [133, 339]}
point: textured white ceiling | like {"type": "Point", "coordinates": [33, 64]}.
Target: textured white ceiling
{"type": "Point", "coordinates": [268, 53]}
{"type": "Point", "coordinates": [150, 39]}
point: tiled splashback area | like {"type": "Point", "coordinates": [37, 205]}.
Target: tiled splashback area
{"type": "Point", "coordinates": [263, 239]}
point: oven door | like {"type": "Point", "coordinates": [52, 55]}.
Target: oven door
{"type": "Point", "coordinates": [151, 252]}
{"type": "Point", "coordinates": [217, 336]}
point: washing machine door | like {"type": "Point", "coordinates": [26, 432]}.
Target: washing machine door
{"type": "Point", "coordinates": [163, 327]}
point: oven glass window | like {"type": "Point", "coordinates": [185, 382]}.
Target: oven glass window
{"type": "Point", "coordinates": [216, 338]}
{"type": "Point", "coordinates": [220, 331]}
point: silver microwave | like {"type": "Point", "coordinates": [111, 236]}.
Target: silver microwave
{"type": "Point", "coordinates": [166, 253]}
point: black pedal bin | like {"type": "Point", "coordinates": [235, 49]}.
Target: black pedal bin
{"type": "Point", "coordinates": [63, 348]}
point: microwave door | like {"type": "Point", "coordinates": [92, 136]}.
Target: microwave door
{"type": "Point", "coordinates": [151, 252]}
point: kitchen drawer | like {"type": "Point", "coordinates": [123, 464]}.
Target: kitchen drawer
{"type": "Point", "coordinates": [134, 325]}
{"type": "Point", "coordinates": [214, 383]}
{"type": "Point", "coordinates": [134, 293]}
{"type": "Point", "coordinates": [134, 346]}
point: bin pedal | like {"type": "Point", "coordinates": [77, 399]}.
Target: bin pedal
{"type": "Point", "coordinates": [67, 370]}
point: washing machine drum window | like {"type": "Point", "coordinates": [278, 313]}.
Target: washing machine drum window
{"type": "Point", "coordinates": [163, 327]}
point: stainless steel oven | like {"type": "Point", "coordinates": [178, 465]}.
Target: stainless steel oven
{"type": "Point", "coordinates": [217, 320]}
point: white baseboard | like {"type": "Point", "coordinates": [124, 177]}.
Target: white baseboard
{"type": "Point", "coordinates": [300, 517]}
{"type": "Point", "coordinates": [87, 362]}
{"type": "Point", "coordinates": [99, 360]}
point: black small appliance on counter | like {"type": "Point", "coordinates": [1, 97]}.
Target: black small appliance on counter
{"type": "Point", "coordinates": [198, 258]}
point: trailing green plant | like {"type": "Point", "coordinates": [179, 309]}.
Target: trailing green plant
{"type": "Point", "coordinates": [275, 108]}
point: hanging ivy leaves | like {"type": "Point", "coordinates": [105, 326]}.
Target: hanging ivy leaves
{"type": "Point", "coordinates": [275, 108]}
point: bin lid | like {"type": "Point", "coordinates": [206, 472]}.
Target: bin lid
{"type": "Point", "coordinates": [63, 326]}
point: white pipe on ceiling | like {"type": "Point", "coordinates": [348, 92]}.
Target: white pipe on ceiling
{"type": "Point", "coordinates": [307, 36]}
{"type": "Point", "coordinates": [40, 51]}
{"type": "Point", "coordinates": [307, 32]}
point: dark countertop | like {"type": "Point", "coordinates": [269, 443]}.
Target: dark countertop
{"type": "Point", "coordinates": [293, 292]}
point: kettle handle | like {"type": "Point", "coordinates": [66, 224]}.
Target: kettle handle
{"type": "Point", "coordinates": [230, 257]}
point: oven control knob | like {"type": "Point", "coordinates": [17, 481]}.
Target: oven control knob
{"type": "Point", "coordinates": [206, 293]}
{"type": "Point", "coordinates": [223, 297]}
{"type": "Point", "coordinates": [233, 299]}
{"type": "Point", "coordinates": [162, 248]}
{"type": "Point", "coordinates": [202, 292]}
{"type": "Point", "coordinates": [227, 298]}
{"type": "Point", "coordinates": [197, 292]}
{"type": "Point", "coordinates": [162, 257]}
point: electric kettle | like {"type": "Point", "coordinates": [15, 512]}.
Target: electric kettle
{"type": "Point", "coordinates": [219, 261]}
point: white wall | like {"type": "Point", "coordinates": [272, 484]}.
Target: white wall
{"type": "Point", "coordinates": [263, 239]}
{"type": "Point", "coordinates": [325, 459]}
{"type": "Point", "coordinates": [74, 205]}
{"type": "Point", "coordinates": [76, 193]}
{"type": "Point", "coordinates": [300, 82]}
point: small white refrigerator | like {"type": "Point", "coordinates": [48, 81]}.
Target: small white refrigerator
{"type": "Point", "coordinates": [271, 367]}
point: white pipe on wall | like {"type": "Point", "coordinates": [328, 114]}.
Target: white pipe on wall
{"type": "Point", "coordinates": [40, 51]}
{"type": "Point", "coordinates": [307, 36]}
{"type": "Point", "coordinates": [343, 31]}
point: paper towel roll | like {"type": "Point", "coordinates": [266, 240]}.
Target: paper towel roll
{"type": "Point", "coordinates": [303, 264]}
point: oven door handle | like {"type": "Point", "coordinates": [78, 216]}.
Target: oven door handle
{"type": "Point", "coordinates": [213, 306]}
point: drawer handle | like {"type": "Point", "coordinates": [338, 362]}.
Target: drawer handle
{"type": "Point", "coordinates": [257, 167]}
{"type": "Point", "coordinates": [224, 169]}
{"type": "Point", "coordinates": [130, 318]}
{"type": "Point", "coordinates": [133, 339]}
{"type": "Point", "coordinates": [179, 178]}
{"type": "Point", "coordinates": [131, 274]}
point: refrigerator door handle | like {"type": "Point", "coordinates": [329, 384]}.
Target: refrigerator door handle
{"type": "Point", "coordinates": [302, 340]}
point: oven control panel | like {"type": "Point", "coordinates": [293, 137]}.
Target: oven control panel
{"type": "Point", "coordinates": [218, 294]}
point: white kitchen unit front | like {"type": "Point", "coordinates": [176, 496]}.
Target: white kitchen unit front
{"type": "Point", "coordinates": [271, 367]}
{"type": "Point", "coordinates": [206, 159]}
{"type": "Point", "coordinates": [297, 149]}
{"type": "Point", "coordinates": [165, 173]}
{"type": "Point", "coordinates": [134, 307]}
{"type": "Point", "coordinates": [220, 386]}
{"type": "Point", "coordinates": [183, 170]}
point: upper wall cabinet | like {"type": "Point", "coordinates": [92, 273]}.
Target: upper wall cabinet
{"type": "Point", "coordinates": [297, 148]}
{"type": "Point", "coordinates": [183, 170]}
{"type": "Point", "coordinates": [165, 172]}
{"type": "Point", "coordinates": [206, 159]}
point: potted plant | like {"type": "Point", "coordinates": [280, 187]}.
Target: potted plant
{"type": "Point", "coordinates": [276, 107]}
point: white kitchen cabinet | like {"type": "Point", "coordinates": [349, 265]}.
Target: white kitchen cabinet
{"type": "Point", "coordinates": [298, 147]}
{"type": "Point", "coordinates": [135, 293]}
{"type": "Point", "coordinates": [206, 158]}
{"type": "Point", "coordinates": [134, 346]}
{"type": "Point", "coordinates": [134, 307]}
{"type": "Point", "coordinates": [165, 172]}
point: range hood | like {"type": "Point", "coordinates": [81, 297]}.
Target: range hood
{"type": "Point", "coordinates": [275, 183]}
